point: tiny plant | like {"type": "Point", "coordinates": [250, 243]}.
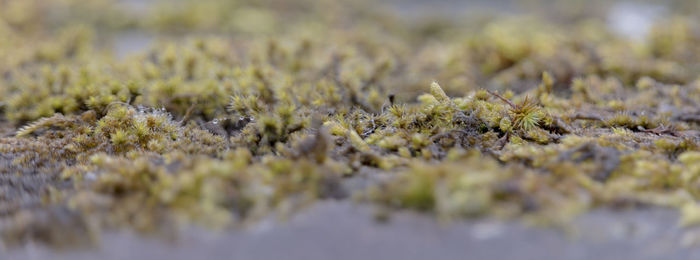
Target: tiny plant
{"type": "Point", "coordinates": [526, 115]}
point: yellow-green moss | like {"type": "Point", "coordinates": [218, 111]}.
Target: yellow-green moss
{"type": "Point", "coordinates": [263, 116]}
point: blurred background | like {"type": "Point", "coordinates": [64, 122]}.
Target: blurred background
{"type": "Point", "coordinates": [121, 28]}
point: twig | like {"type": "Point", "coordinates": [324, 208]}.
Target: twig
{"type": "Point", "coordinates": [659, 130]}
{"type": "Point", "coordinates": [188, 114]}
{"type": "Point", "coordinates": [579, 116]}
{"type": "Point", "coordinates": [503, 99]}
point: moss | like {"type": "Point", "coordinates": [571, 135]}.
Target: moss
{"type": "Point", "coordinates": [533, 119]}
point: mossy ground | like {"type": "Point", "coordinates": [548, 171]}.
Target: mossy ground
{"type": "Point", "coordinates": [243, 109]}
